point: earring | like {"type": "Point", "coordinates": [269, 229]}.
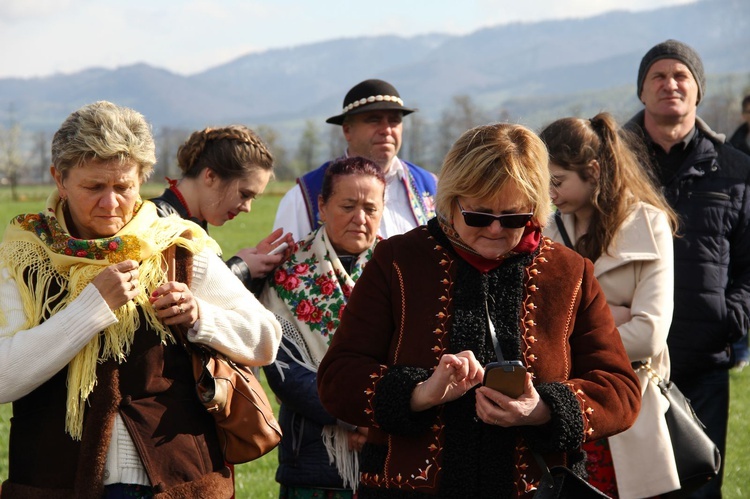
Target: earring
{"type": "Point", "coordinates": [64, 204]}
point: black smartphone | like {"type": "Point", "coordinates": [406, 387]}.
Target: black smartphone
{"type": "Point", "coordinates": [507, 377]}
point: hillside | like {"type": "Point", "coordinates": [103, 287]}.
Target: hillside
{"type": "Point", "coordinates": [525, 72]}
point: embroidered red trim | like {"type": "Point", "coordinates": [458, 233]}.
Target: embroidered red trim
{"type": "Point", "coordinates": [173, 188]}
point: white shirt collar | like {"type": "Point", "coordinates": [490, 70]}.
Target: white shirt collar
{"type": "Point", "coordinates": [396, 169]}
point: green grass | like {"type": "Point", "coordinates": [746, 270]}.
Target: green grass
{"type": "Point", "coordinates": [737, 465]}
{"type": "Point", "coordinates": [256, 479]}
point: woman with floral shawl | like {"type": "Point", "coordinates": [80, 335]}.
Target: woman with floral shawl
{"type": "Point", "coordinates": [104, 403]}
{"type": "Point", "coordinates": [318, 453]}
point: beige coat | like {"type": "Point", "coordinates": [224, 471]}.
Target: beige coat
{"type": "Point", "coordinates": [638, 272]}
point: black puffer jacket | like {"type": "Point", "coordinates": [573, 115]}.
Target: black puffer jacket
{"type": "Point", "coordinates": [168, 203]}
{"type": "Point", "coordinates": [711, 195]}
{"type": "Point", "coordinates": [739, 138]}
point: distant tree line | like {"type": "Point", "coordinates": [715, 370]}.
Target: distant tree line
{"type": "Point", "coordinates": [24, 156]}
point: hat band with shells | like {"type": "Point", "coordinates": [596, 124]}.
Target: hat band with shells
{"type": "Point", "coordinates": [371, 99]}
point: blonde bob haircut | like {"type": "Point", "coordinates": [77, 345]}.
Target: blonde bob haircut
{"type": "Point", "coordinates": [485, 158]}
{"type": "Point", "coordinates": [104, 132]}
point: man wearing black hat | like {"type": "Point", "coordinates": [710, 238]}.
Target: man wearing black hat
{"type": "Point", "coordinates": [707, 182]}
{"type": "Point", "coordinates": [371, 121]}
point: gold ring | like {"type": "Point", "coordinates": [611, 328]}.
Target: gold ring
{"type": "Point", "coordinates": [132, 276]}
{"type": "Point", "coordinates": [181, 310]}
{"type": "Point", "coordinates": [496, 424]}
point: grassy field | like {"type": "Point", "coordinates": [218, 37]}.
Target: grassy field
{"type": "Point", "coordinates": [256, 479]}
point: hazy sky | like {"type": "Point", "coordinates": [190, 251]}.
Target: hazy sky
{"type": "Point", "coordinates": [42, 37]}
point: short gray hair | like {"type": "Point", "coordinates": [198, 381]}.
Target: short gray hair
{"type": "Point", "coordinates": [104, 131]}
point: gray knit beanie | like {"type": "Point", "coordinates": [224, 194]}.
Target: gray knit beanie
{"type": "Point", "coordinates": [673, 49]}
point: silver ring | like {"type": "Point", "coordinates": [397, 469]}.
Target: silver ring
{"type": "Point", "coordinates": [181, 310]}
{"type": "Point", "coordinates": [496, 423]}
{"type": "Point", "coordinates": [132, 276]}
{"type": "Point", "coordinates": [181, 298]}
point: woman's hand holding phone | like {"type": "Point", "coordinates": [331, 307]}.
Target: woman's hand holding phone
{"type": "Point", "coordinates": [496, 408]}
{"type": "Point", "coordinates": [268, 254]}
{"type": "Point", "coordinates": [279, 249]}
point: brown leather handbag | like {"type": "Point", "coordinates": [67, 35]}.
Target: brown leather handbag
{"type": "Point", "coordinates": [245, 423]}
{"type": "Point", "coordinates": [244, 418]}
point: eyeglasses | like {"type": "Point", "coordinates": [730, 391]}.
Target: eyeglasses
{"type": "Point", "coordinates": [509, 221]}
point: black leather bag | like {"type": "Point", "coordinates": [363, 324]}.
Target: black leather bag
{"type": "Point", "coordinates": [560, 482]}
{"type": "Point", "coordinates": [697, 457]}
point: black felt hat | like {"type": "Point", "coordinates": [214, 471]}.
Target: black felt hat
{"type": "Point", "coordinates": [370, 95]}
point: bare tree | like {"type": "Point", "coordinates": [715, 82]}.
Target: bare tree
{"type": "Point", "coordinates": [165, 152]}
{"type": "Point", "coordinates": [41, 152]}
{"type": "Point", "coordinates": [576, 110]}
{"type": "Point", "coordinates": [271, 137]}
{"type": "Point", "coordinates": [735, 117]}
{"type": "Point", "coordinates": [336, 142]}
{"type": "Point", "coordinates": [460, 116]}
{"type": "Point", "coordinates": [720, 109]}
{"type": "Point", "coordinates": [309, 144]}
{"type": "Point", "coordinates": [504, 116]}
{"type": "Point", "coordinates": [169, 141]}
{"type": "Point", "coordinates": [10, 152]}
{"type": "Point", "coordinates": [414, 141]}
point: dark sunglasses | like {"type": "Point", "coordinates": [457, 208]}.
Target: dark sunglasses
{"type": "Point", "coordinates": [509, 221]}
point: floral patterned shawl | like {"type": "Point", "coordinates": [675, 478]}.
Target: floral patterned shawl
{"type": "Point", "coordinates": [310, 290]}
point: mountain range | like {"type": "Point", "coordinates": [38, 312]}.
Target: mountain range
{"type": "Point", "coordinates": [531, 72]}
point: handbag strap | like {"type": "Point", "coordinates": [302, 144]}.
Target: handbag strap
{"type": "Point", "coordinates": [169, 256]}
{"type": "Point", "coordinates": [542, 465]}
{"type": "Point", "coordinates": [661, 383]}
{"type": "Point", "coordinates": [493, 334]}
{"type": "Point", "coordinates": [561, 229]}
{"type": "Point", "coordinates": [645, 365]}
{"type": "Point", "coordinates": [499, 353]}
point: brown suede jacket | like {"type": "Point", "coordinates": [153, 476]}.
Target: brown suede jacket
{"type": "Point", "coordinates": [417, 300]}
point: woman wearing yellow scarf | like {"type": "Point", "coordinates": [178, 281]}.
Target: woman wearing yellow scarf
{"type": "Point", "coordinates": [103, 396]}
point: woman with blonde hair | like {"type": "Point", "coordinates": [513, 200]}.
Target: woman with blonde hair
{"type": "Point", "coordinates": [436, 305]}
{"type": "Point", "coordinates": [609, 211]}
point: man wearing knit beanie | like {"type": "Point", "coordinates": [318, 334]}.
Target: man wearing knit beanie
{"type": "Point", "coordinates": [707, 183]}
{"type": "Point", "coordinates": [673, 49]}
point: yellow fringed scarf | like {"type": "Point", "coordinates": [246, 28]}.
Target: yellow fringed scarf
{"type": "Point", "coordinates": [40, 244]}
